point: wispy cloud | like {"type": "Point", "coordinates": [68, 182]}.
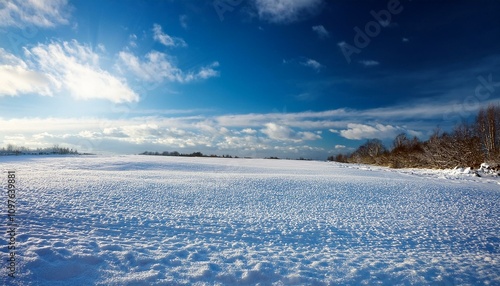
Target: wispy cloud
{"type": "Point", "coordinates": [358, 131]}
{"type": "Point", "coordinates": [45, 14]}
{"type": "Point", "coordinates": [155, 67]}
{"type": "Point", "coordinates": [321, 31]}
{"type": "Point", "coordinates": [369, 63]}
{"type": "Point", "coordinates": [61, 68]}
{"type": "Point", "coordinates": [249, 131]}
{"type": "Point", "coordinates": [75, 68]}
{"type": "Point", "coordinates": [132, 40]}
{"type": "Point", "coordinates": [17, 78]}
{"type": "Point", "coordinates": [284, 133]}
{"type": "Point", "coordinates": [312, 64]}
{"type": "Point", "coordinates": [286, 11]}
{"type": "Point", "coordinates": [303, 61]}
{"type": "Point", "coordinates": [72, 68]}
{"type": "Point", "coordinates": [158, 67]}
{"type": "Point", "coordinates": [165, 39]}
{"type": "Point", "coordinates": [207, 71]}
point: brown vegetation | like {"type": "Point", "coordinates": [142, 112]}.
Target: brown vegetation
{"type": "Point", "coordinates": [468, 145]}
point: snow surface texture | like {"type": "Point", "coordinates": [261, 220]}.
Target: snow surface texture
{"type": "Point", "coordinates": [139, 220]}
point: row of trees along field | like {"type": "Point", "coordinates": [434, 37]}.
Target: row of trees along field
{"type": "Point", "coordinates": [17, 150]}
{"type": "Point", "coordinates": [468, 145]}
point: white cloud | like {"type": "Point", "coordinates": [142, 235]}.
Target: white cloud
{"type": "Point", "coordinates": [277, 132]}
{"type": "Point", "coordinates": [369, 63]}
{"type": "Point", "coordinates": [357, 131]}
{"type": "Point", "coordinates": [17, 78]}
{"type": "Point", "coordinates": [154, 68]}
{"type": "Point", "coordinates": [207, 72]}
{"type": "Point", "coordinates": [165, 39]}
{"type": "Point", "coordinates": [307, 119]}
{"type": "Point", "coordinates": [410, 115]}
{"type": "Point", "coordinates": [75, 68]}
{"type": "Point", "coordinates": [132, 40]}
{"type": "Point", "coordinates": [249, 131]}
{"type": "Point", "coordinates": [255, 134]}
{"type": "Point", "coordinates": [285, 133]}
{"type": "Point", "coordinates": [45, 14]}
{"type": "Point", "coordinates": [106, 134]}
{"type": "Point", "coordinates": [309, 136]}
{"type": "Point", "coordinates": [115, 132]}
{"type": "Point", "coordinates": [321, 31]}
{"type": "Point", "coordinates": [264, 134]}
{"type": "Point", "coordinates": [340, 146]}
{"type": "Point", "coordinates": [312, 64]}
{"type": "Point", "coordinates": [286, 11]}
{"type": "Point", "coordinates": [434, 109]}
{"type": "Point", "coordinates": [61, 67]}
{"type": "Point", "coordinates": [157, 67]}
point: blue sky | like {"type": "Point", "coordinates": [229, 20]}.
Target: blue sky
{"type": "Point", "coordinates": [286, 78]}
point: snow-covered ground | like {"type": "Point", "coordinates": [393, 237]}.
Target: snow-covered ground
{"type": "Point", "coordinates": [139, 220]}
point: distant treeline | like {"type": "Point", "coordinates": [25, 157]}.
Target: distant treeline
{"type": "Point", "coordinates": [468, 145]}
{"type": "Point", "coordinates": [16, 150]}
{"type": "Point", "coordinates": [177, 154]}
{"type": "Point", "coordinates": [199, 154]}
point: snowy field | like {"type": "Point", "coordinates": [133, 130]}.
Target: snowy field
{"type": "Point", "coordinates": [139, 220]}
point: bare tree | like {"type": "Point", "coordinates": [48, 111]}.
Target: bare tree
{"type": "Point", "coordinates": [368, 152]}
{"type": "Point", "coordinates": [467, 149]}
{"type": "Point", "coordinates": [488, 130]}
{"type": "Point", "coordinates": [400, 142]}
